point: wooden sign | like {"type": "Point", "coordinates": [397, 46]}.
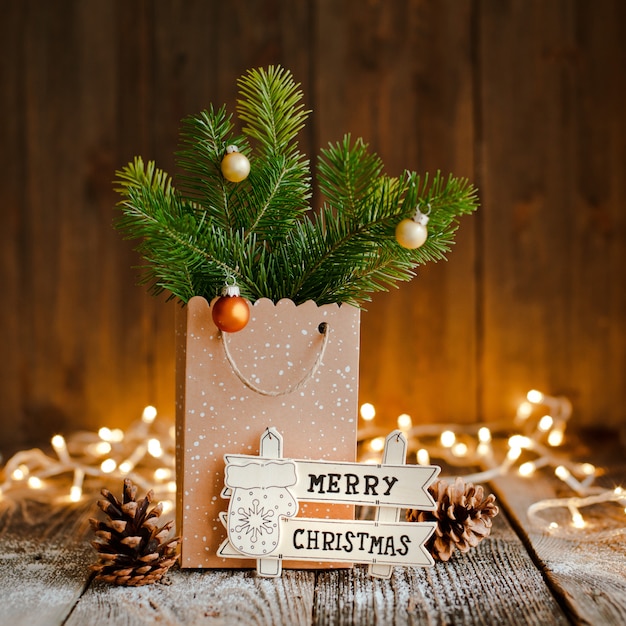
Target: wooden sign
{"type": "Point", "coordinates": [265, 492]}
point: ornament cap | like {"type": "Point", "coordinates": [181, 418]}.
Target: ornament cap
{"type": "Point", "coordinates": [232, 148]}
{"type": "Point", "coordinates": [230, 290]}
{"type": "Point", "coordinates": [421, 218]}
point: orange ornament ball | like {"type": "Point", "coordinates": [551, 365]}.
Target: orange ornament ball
{"type": "Point", "coordinates": [231, 313]}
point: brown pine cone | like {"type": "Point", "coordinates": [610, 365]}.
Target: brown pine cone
{"type": "Point", "coordinates": [463, 515]}
{"type": "Point", "coordinates": [133, 550]}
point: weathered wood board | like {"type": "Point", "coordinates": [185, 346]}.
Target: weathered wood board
{"type": "Point", "coordinates": [588, 576]}
{"type": "Point", "coordinates": [45, 579]}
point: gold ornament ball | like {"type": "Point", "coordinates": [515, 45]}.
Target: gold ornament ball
{"type": "Point", "coordinates": [235, 166]}
{"type": "Point", "coordinates": [411, 234]}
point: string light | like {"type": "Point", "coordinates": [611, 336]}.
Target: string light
{"type": "Point", "coordinates": [545, 423]}
{"type": "Point", "coordinates": [368, 412]}
{"type": "Point", "coordinates": [108, 465]}
{"type": "Point", "coordinates": [404, 422]}
{"type": "Point", "coordinates": [484, 435]}
{"type": "Point", "coordinates": [543, 419]}
{"type": "Point", "coordinates": [422, 456]}
{"type": "Point", "coordinates": [377, 444]}
{"type": "Point", "coordinates": [90, 457]}
{"type": "Point", "coordinates": [114, 453]}
{"type": "Point", "coordinates": [33, 482]}
{"type": "Point", "coordinates": [447, 438]}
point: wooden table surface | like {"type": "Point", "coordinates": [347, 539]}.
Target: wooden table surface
{"type": "Point", "coordinates": [517, 575]}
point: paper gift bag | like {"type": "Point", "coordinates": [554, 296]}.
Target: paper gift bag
{"type": "Point", "coordinates": [292, 367]}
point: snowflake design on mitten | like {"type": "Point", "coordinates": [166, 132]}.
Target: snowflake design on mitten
{"type": "Point", "coordinates": [256, 521]}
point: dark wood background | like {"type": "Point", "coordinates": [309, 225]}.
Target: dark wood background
{"type": "Point", "coordinates": [527, 98]}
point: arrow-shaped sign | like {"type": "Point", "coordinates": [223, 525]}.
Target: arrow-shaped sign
{"type": "Point", "coordinates": [403, 486]}
{"type": "Point", "coordinates": [356, 541]}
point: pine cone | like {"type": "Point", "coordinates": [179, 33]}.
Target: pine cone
{"type": "Point", "coordinates": [132, 548]}
{"type": "Point", "coordinates": [463, 517]}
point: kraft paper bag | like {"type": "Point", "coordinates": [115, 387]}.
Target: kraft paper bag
{"type": "Point", "coordinates": [284, 369]}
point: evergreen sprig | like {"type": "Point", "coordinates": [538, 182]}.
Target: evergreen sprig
{"type": "Point", "coordinates": [260, 232]}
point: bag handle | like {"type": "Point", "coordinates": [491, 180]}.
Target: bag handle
{"type": "Point", "coordinates": [324, 330]}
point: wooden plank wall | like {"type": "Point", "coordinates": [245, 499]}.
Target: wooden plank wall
{"type": "Point", "coordinates": [524, 97]}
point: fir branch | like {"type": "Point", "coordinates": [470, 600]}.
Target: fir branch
{"type": "Point", "coordinates": [275, 201]}
{"type": "Point", "coordinates": [204, 138]}
{"type": "Point", "coordinates": [279, 185]}
{"type": "Point", "coordinates": [345, 174]}
{"type": "Point", "coordinates": [271, 108]}
{"type": "Point", "coordinates": [186, 253]}
{"type": "Point", "coordinates": [355, 252]}
{"type": "Point", "coordinates": [258, 231]}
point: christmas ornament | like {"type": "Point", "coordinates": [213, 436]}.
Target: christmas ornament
{"type": "Point", "coordinates": [230, 311]}
{"type": "Point", "coordinates": [133, 550]}
{"type": "Point", "coordinates": [235, 166]}
{"type": "Point", "coordinates": [463, 515]}
{"type": "Point", "coordinates": [412, 233]}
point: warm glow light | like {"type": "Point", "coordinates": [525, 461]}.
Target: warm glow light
{"type": "Point", "coordinates": [513, 454]}
{"type": "Point", "coordinates": [105, 433]}
{"type": "Point", "coordinates": [125, 467]}
{"type": "Point", "coordinates": [377, 444]}
{"type": "Point", "coordinates": [447, 438]}
{"type": "Point", "coordinates": [162, 473]}
{"type": "Point", "coordinates": [171, 486]}
{"type": "Point", "coordinates": [562, 472]}
{"type": "Point", "coordinates": [484, 435]}
{"type": "Point", "coordinates": [108, 466]}
{"type": "Point", "coordinates": [577, 520]}
{"type": "Point", "coordinates": [19, 473]}
{"type": "Point", "coordinates": [588, 469]}
{"type": "Point", "coordinates": [148, 415]}
{"type": "Point", "coordinates": [404, 422]}
{"type": "Point", "coordinates": [483, 449]}
{"type": "Point", "coordinates": [58, 442]}
{"type": "Point", "coordinates": [545, 423]}
{"type": "Point", "coordinates": [459, 449]}
{"type": "Point", "coordinates": [524, 410]}
{"type": "Point", "coordinates": [423, 458]}
{"type": "Point", "coordinates": [368, 412]}
{"type": "Point", "coordinates": [519, 441]}
{"type": "Point", "coordinates": [534, 396]}
{"type": "Point", "coordinates": [168, 506]}
{"type": "Point", "coordinates": [99, 449]}
{"type": "Point", "coordinates": [60, 447]}
{"type": "Point", "coordinates": [115, 436]}
{"type": "Point", "coordinates": [154, 448]}
{"type": "Point", "coordinates": [35, 483]}
{"type": "Point", "coordinates": [555, 438]}
{"type": "Point", "coordinates": [526, 469]}
{"type": "Point", "coordinates": [76, 493]}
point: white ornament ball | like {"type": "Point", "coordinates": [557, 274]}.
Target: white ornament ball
{"type": "Point", "coordinates": [411, 234]}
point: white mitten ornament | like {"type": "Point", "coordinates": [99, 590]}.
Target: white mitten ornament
{"type": "Point", "coordinates": [260, 496]}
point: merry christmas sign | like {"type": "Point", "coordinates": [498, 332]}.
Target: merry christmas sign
{"type": "Point", "coordinates": [265, 492]}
